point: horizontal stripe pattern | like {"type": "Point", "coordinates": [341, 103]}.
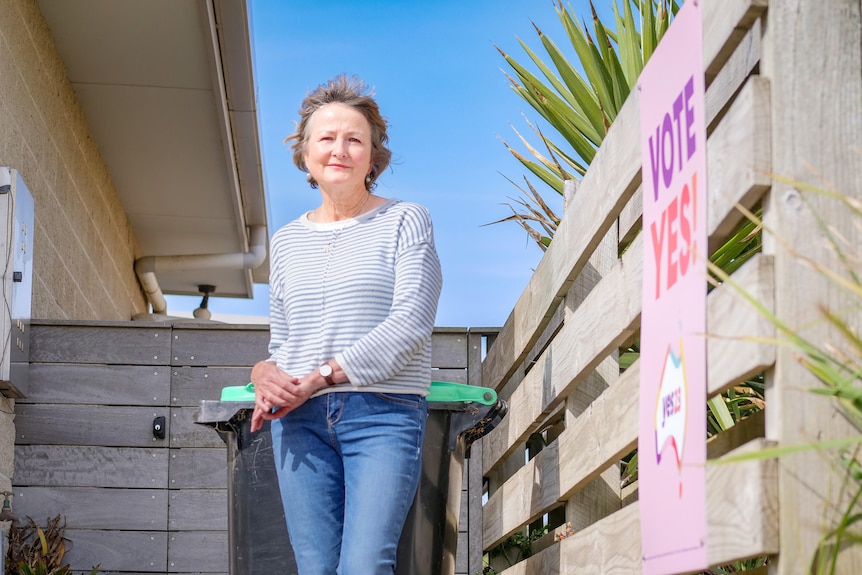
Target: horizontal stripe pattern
{"type": "Point", "coordinates": [363, 291]}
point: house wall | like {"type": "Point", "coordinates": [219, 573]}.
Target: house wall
{"type": "Point", "coordinates": [84, 249]}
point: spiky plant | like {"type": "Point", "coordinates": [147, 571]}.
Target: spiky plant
{"type": "Point", "coordinates": [580, 107]}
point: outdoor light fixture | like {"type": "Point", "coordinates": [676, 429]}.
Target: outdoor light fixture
{"type": "Point", "coordinates": [202, 312]}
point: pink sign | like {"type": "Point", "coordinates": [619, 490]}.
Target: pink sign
{"type": "Point", "coordinates": [672, 443]}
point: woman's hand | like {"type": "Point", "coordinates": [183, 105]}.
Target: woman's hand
{"type": "Point", "coordinates": [274, 388]}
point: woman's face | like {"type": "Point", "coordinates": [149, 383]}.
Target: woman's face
{"type": "Point", "coordinates": [338, 150]}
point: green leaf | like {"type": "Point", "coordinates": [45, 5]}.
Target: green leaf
{"type": "Point", "coordinates": [547, 176]}
{"type": "Point", "coordinates": [582, 99]}
{"type": "Point", "coordinates": [629, 41]}
{"type": "Point", "coordinates": [588, 55]}
{"type": "Point", "coordinates": [718, 408]}
{"type": "Point", "coordinates": [616, 76]}
{"type": "Point", "coordinates": [785, 450]}
{"type": "Point", "coordinates": [649, 34]}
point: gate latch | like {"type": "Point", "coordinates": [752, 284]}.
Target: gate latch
{"type": "Point", "coordinates": [159, 427]}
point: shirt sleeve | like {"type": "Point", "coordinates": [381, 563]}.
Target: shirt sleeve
{"type": "Point", "coordinates": [277, 323]}
{"type": "Point", "coordinates": [406, 331]}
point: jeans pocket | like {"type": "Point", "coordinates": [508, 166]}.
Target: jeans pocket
{"type": "Point", "coordinates": [405, 399]}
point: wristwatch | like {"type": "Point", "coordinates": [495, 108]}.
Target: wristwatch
{"type": "Point", "coordinates": [326, 372]}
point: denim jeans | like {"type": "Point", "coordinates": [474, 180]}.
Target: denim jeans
{"type": "Point", "coordinates": [348, 465]}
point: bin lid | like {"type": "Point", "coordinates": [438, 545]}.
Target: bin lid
{"type": "Point", "coordinates": [439, 392]}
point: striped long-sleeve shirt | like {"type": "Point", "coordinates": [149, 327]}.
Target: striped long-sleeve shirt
{"type": "Point", "coordinates": [363, 291]}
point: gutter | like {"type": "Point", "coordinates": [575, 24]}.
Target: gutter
{"type": "Point", "coordinates": [147, 267]}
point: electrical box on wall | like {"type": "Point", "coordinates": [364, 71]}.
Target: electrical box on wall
{"type": "Point", "coordinates": [16, 284]}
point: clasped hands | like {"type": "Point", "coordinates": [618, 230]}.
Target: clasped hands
{"type": "Point", "coordinates": [274, 388]}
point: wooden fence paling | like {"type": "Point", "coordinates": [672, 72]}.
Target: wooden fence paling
{"type": "Point", "coordinates": [609, 431]}
{"type": "Point", "coordinates": [741, 512]}
{"type": "Point", "coordinates": [572, 352]}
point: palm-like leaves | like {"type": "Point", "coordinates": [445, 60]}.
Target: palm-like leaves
{"type": "Point", "coordinates": [580, 107]}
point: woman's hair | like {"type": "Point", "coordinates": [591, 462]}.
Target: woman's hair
{"type": "Point", "coordinates": [350, 91]}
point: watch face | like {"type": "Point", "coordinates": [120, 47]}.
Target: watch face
{"type": "Point", "coordinates": [325, 370]}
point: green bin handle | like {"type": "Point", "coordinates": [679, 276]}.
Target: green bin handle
{"type": "Point", "coordinates": [448, 392]}
{"type": "Point", "coordinates": [238, 393]}
{"type": "Point", "coordinates": [439, 392]}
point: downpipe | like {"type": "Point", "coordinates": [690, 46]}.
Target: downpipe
{"type": "Point", "coordinates": [147, 267]}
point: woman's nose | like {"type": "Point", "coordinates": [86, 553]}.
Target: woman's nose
{"type": "Point", "coordinates": [339, 148]}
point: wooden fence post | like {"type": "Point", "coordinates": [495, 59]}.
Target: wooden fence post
{"type": "Point", "coordinates": [811, 56]}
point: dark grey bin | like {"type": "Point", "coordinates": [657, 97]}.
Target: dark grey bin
{"type": "Point", "coordinates": [458, 415]}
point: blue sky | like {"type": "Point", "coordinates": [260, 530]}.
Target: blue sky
{"type": "Point", "coordinates": [440, 83]}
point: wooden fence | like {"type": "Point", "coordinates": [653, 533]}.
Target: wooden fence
{"type": "Point", "coordinates": [135, 503]}
{"type": "Point", "coordinates": [783, 97]}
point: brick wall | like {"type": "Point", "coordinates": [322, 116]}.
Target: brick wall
{"type": "Point", "coordinates": [84, 249]}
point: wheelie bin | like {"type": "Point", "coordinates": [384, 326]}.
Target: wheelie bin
{"type": "Point", "coordinates": [458, 415]}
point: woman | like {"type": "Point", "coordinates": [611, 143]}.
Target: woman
{"type": "Point", "coordinates": [354, 286]}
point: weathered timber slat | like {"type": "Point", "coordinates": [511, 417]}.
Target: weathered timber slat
{"type": "Point", "coordinates": [725, 23]}
{"type": "Point", "coordinates": [461, 555]}
{"type": "Point", "coordinates": [453, 375]}
{"type": "Point", "coordinates": [109, 426]}
{"type": "Point", "coordinates": [732, 359]}
{"type": "Point", "coordinates": [631, 218]}
{"type": "Point", "coordinates": [741, 64]}
{"type": "Point", "coordinates": [129, 552]}
{"type": "Point", "coordinates": [198, 552]}
{"type": "Point", "coordinates": [184, 432]}
{"type": "Point", "coordinates": [91, 466]}
{"type": "Point", "coordinates": [98, 384]}
{"type": "Point", "coordinates": [199, 468]}
{"type": "Point", "coordinates": [96, 507]}
{"type": "Point", "coordinates": [197, 510]}
{"type": "Point", "coordinates": [743, 431]}
{"type": "Point", "coordinates": [596, 439]}
{"type": "Point", "coordinates": [212, 346]}
{"type": "Point", "coordinates": [742, 506]}
{"type": "Point", "coordinates": [191, 385]}
{"type": "Point", "coordinates": [739, 162]}
{"type": "Point", "coordinates": [135, 343]}
{"type": "Point", "coordinates": [449, 350]}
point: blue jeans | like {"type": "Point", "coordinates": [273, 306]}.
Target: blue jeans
{"type": "Point", "coordinates": [348, 466]}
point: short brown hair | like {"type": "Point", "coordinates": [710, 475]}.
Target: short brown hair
{"type": "Point", "coordinates": [353, 92]}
